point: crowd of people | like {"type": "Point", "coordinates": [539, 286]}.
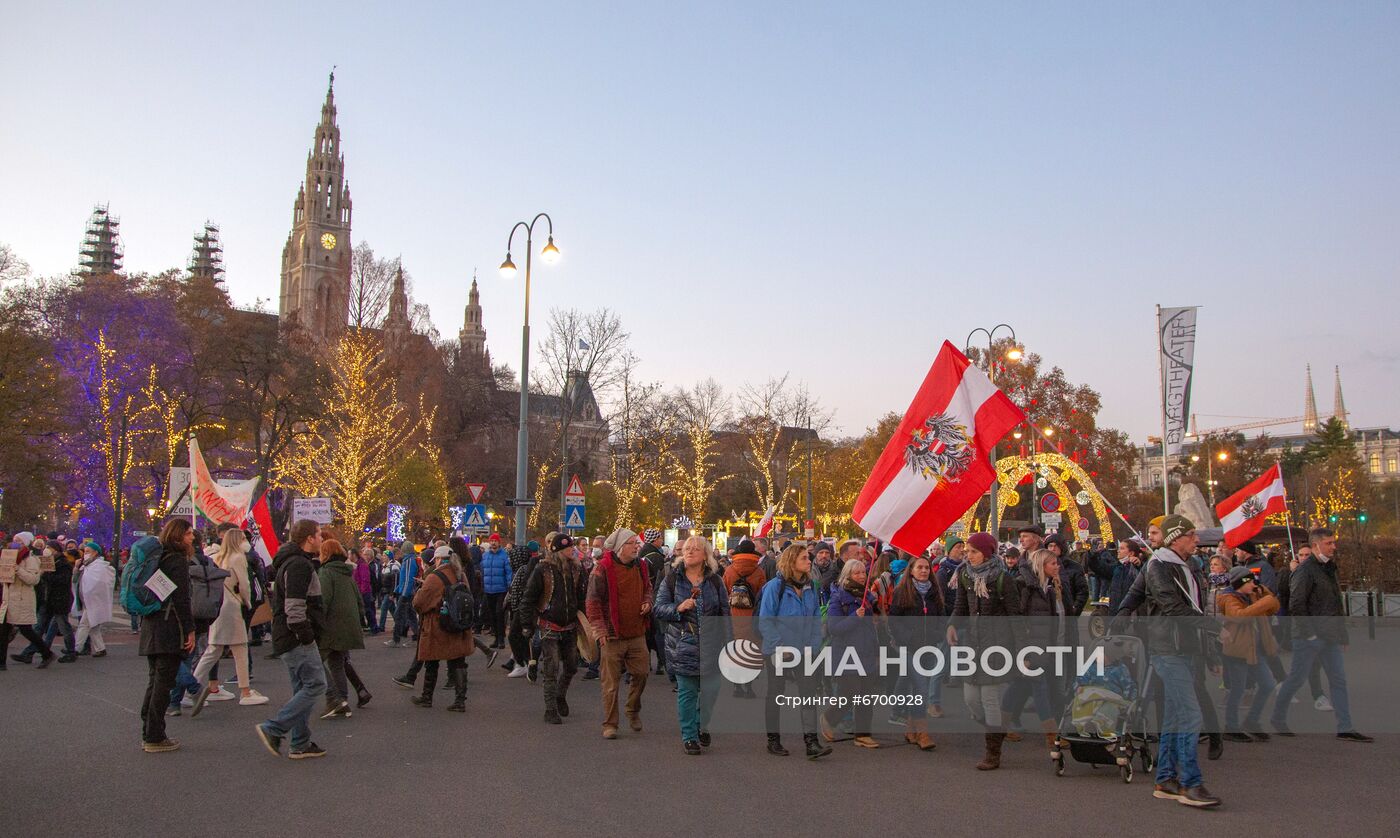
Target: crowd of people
{"type": "Point", "coordinates": [625, 607]}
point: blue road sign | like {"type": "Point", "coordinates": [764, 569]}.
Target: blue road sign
{"type": "Point", "coordinates": [573, 518]}
{"type": "Point", "coordinates": [475, 518]}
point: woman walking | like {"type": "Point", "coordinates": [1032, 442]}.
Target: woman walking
{"type": "Point", "coordinates": [1045, 602]}
{"type": "Point", "coordinates": [850, 620]}
{"type": "Point", "coordinates": [789, 615]}
{"type": "Point", "coordinates": [94, 585]}
{"type": "Point", "coordinates": [918, 620]}
{"type": "Point", "coordinates": [435, 642]}
{"type": "Point", "coordinates": [229, 631]}
{"type": "Point", "coordinates": [692, 590]}
{"type": "Point", "coordinates": [167, 636]}
{"type": "Point", "coordinates": [342, 606]}
{"type": "Point", "coordinates": [986, 592]}
{"type": "Point", "coordinates": [19, 606]}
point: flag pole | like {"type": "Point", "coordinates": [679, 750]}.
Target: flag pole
{"type": "Point", "coordinates": [1287, 516]}
{"type": "Point", "coordinates": [1162, 380]}
{"type": "Point", "coordinates": [1102, 496]}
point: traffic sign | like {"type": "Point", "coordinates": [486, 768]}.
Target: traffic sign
{"type": "Point", "coordinates": [574, 495]}
{"type": "Point", "coordinates": [1050, 502]}
{"type": "Point", "coordinates": [475, 519]}
{"type": "Point", "coordinates": [1083, 524]}
{"type": "Point", "coordinates": [476, 490]}
{"type": "Point", "coordinates": [574, 520]}
{"type": "Point", "coordinates": [1051, 518]}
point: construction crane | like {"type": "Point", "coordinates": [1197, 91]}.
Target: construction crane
{"type": "Point", "coordinates": [1263, 423]}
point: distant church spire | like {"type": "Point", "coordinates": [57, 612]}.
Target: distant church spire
{"type": "Point", "coordinates": [1339, 408]}
{"type": "Point", "coordinates": [102, 246]}
{"type": "Point", "coordinates": [396, 322]}
{"type": "Point", "coordinates": [1310, 407]}
{"type": "Point", "coordinates": [207, 260]}
{"type": "Point", "coordinates": [472, 338]}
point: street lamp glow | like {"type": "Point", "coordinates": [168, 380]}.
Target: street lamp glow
{"type": "Point", "coordinates": [1195, 458]}
{"type": "Point", "coordinates": [508, 267]}
{"type": "Point", "coordinates": [1049, 431]}
{"type": "Point", "coordinates": [1015, 353]}
{"type": "Point", "coordinates": [550, 254]}
{"type": "Point", "coordinates": [1016, 434]}
{"type": "Point", "coordinates": [1222, 456]}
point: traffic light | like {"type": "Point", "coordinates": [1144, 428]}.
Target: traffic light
{"type": "Point", "coordinates": [1332, 519]}
{"type": "Point", "coordinates": [1361, 516]}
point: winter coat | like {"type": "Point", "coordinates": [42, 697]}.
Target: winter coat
{"type": "Point", "coordinates": [1123, 577]}
{"type": "Point", "coordinates": [1313, 593]}
{"type": "Point", "coordinates": [603, 614]}
{"type": "Point", "coordinates": [296, 599]}
{"type": "Point", "coordinates": [849, 630]}
{"type": "Point", "coordinates": [19, 604]}
{"type": "Point", "coordinates": [364, 578]}
{"type": "Point", "coordinates": [376, 581]}
{"type": "Point", "coordinates": [826, 578]}
{"type": "Point", "coordinates": [1078, 585]}
{"type": "Point", "coordinates": [1166, 590]}
{"type": "Point", "coordinates": [683, 629]}
{"type": "Point", "coordinates": [228, 628]}
{"type": "Point", "coordinates": [435, 644]}
{"type": "Point", "coordinates": [163, 633]}
{"type": "Point", "coordinates": [1264, 573]}
{"type": "Point", "coordinates": [1045, 625]}
{"type": "Point", "coordinates": [495, 572]}
{"type": "Point", "coordinates": [979, 619]}
{"type": "Point", "coordinates": [745, 565]}
{"type": "Point", "coordinates": [656, 562]}
{"type": "Point", "coordinates": [789, 616]}
{"type": "Point", "coordinates": [520, 570]}
{"type": "Point", "coordinates": [58, 593]}
{"type": "Point", "coordinates": [947, 582]}
{"type": "Point", "coordinates": [1246, 625]}
{"type": "Point", "coordinates": [96, 584]}
{"type": "Point", "coordinates": [552, 594]}
{"type": "Point", "coordinates": [921, 623]}
{"type": "Point", "coordinates": [342, 605]}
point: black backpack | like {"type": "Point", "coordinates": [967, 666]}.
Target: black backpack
{"type": "Point", "coordinates": [742, 595]}
{"type": "Point", "coordinates": [455, 615]}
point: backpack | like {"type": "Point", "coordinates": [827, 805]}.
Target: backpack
{"type": "Point", "coordinates": [455, 615]}
{"type": "Point", "coordinates": [742, 595]}
{"type": "Point", "coordinates": [143, 563]}
{"type": "Point", "coordinates": [206, 589]}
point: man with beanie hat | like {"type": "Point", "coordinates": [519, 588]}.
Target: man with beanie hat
{"type": "Point", "coordinates": [1173, 642]}
{"type": "Point", "coordinates": [619, 609]}
{"type": "Point", "coordinates": [655, 559]}
{"type": "Point", "coordinates": [553, 596]}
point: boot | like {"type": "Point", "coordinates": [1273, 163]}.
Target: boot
{"type": "Point", "coordinates": [815, 749]}
{"type": "Point", "coordinates": [459, 703]}
{"type": "Point", "coordinates": [551, 705]}
{"type": "Point", "coordinates": [561, 702]}
{"type": "Point", "coordinates": [429, 684]}
{"type": "Point", "coordinates": [992, 760]}
{"type": "Point", "coordinates": [775, 746]}
{"type": "Point", "coordinates": [921, 737]}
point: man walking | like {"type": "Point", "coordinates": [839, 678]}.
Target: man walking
{"type": "Point", "coordinates": [296, 617]}
{"type": "Point", "coordinates": [619, 608]}
{"type": "Point", "coordinates": [1319, 633]}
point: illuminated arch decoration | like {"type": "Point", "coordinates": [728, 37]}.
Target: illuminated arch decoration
{"type": "Point", "coordinates": [1058, 471]}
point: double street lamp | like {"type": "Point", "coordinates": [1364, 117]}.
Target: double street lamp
{"type": "Point", "coordinates": [1222, 456]}
{"type": "Point", "coordinates": [1013, 354]}
{"type": "Point", "coordinates": [550, 254]}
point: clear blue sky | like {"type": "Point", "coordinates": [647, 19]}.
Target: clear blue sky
{"type": "Point", "coordinates": [759, 188]}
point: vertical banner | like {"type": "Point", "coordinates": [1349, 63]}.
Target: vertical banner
{"type": "Point", "coordinates": [1176, 331]}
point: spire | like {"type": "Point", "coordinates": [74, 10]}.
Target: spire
{"type": "Point", "coordinates": [1339, 408]}
{"type": "Point", "coordinates": [1310, 407]}
{"type": "Point", "coordinates": [102, 248]}
{"type": "Point", "coordinates": [397, 319]}
{"type": "Point", "coordinates": [472, 338]}
{"type": "Point", "coordinates": [207, 260]}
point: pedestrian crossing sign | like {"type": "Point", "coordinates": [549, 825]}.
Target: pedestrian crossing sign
{"type": "Point", "coordinates": [574, 520]}
{"type": "Point", "coordinates": [475, 519]}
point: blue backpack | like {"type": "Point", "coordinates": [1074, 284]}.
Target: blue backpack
{"type": "Point", "coordinates": [136, 598]}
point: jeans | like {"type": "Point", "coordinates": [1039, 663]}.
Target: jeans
{"type": "Point", "coordinates": [1042, 690]}
{"type": "Point", "coordinates": [984, 703]}
{"type": "Point", "coordinates": [1237, 672]}
{"type": "Point", "coordinates": [368, 620]}
{"type": "Point", "coordinates": [1181, 722]}
{"type": "Point", "coordinates": [779, 685]}
{"type": "Point", "coordinates": [185, 682]}
{"type": "Point", "coordinates": [160, 678]}
{"type": "Point", "coordinates": [851, 685]}
{"type": "Point", "coordinates": [51, 625]}
{"type": "Point", "coordinates": [1305, 652]}
{"type": "Point", "coordinates": [404, 617]}
{"type": "Point", "coordinates": [386, 607]}
{"type": "Point", "coordinates": [308, 679]}
{"type": "Point", "coordinates": [695, 701]}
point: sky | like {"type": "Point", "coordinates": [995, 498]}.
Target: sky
{"type": "Point", "coordinates": [822, 190]}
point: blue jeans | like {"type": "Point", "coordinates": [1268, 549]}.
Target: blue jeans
{"type": "Point", "coordinates": [404, 617]}
{"type": "Point", "coordinates": [386, 607]}
{"type": "Point", "coordinates": [695, 701]}
{"type": "Point", "coordinates": [1304, 653]}
{"type": "Point", "coordinates": [51, 625]}
{"type": "Point", "coordinates": [185, 681]}
{"type": "Point", "coordinates": [1181, 722]}
{"type": "Point", "coordinates": [308, 678]}
{"type": "Point", "coordinates": [1237, 672]}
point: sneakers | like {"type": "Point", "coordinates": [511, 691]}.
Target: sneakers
{"type": "Point", "coordinates": [186, 700]}
{"type": "Point", "coordinates": [1199, 797]}
{"type": "Point", "coordinates": [271, 742]}
{"type": "Point", "coordinates": [609, 733]}
{"type": "Point", "coordinates": [393, 644]}
{"type": "Point", "coordinates": [866, 742]}
{"type": "Point", "coordinates": [1281, 729]}
{"type": "Point", "coordinates": [252, 698]}
{"type": "Point", "coordinates": [491, 655]}
{"type": "Point", "coordinates": [1354, 736]}
{"type": "Point", "coordinates": [103, 654]}
{"type": "Point", "coordinates": [635, 722]}
{"type": "Point", "coordinates": [199, 700]}
{"type": "Point", "coordinates": [692, 747]}
{"type": "Point", "coordinates": [336, 709]}
{"type": "Point", "coordinates": [161, 746]}
{"type": "Point", "coordinates": [518, 672]}
{"type": "Point", "coordinates": [1236, 736]}
{"type": "Point", "coordinates": [310, 751]}
{"type": "Point", "coordinates": [705, 739]}
{"type": "Point", "coordinates": [1323, 704]}
{"type": "Point", "coordinates": [1170, 790]}
{"type": "Point", "coordinates": [221, 694]}
{"type": "Point", "coordinates": [404, 681]}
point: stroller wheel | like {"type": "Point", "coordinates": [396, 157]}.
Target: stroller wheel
{"type": "Point", "coordinates": [1148, 762]}
{"type": "Point", "coordinates": [1126, 772]}
{"type": "Point", "coordinates": [1059, 766]}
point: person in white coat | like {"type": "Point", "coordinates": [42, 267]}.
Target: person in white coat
{"type": "Point", "coordinates": [18, 610]}
{"type": "Point", "coordinates": [228, 630]}
{"type": "Point", "coordinates": [93, 584]}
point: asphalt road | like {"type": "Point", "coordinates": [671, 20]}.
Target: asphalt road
{"type": "Point", "coordinates": [72, 765]}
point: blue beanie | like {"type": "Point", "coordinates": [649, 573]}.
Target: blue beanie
{"type": "Point", "coordinates": [897, 566]}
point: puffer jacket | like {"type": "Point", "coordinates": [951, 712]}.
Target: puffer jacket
{"type": "Point", "coordinates": [495, 572]}
{"type": "Point", "coordinates": [296, 599]}
{"type": "Point", "coordinates": [1315, 602]}
{"type": "Point", "coordinates": [979, 619]}
{"type": "Point", "coordinates": [849, 630]}
{"type": "Point", "coordinates": [789, 615]}
{"type": "Point", "coordinates": [683, 629]}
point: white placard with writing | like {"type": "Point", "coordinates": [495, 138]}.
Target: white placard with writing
{"type": "Point", "coordinates": [160, 585]}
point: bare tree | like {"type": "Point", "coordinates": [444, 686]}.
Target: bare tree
{"type": "Point", "coordinates": [772, 414]}
{"type": "Point", "coordinates": [644, 429]}
{"type": "Point", "coordinates": [701, 412]}
{"type": "Point", "coordinates": [371, 283]}
{"type": "Point", "coordinates": [11, 266]}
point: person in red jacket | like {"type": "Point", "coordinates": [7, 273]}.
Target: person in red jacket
{"type": "Point", "coordinates": [744, 579]}
{"type": "Point", "coordinates": [619, 609]}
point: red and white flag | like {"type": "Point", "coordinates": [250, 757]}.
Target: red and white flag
{"type": "Point", "coordinates": [1242, 514]}
{"type": "Point", "coordinates": [938, 463]}
{"type": "Point", "coordinates": [765, 526]}
{"type": "Point", "coordinates": [259, 525]}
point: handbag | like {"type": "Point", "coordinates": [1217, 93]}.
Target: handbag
{"type": "Point", "coordinates": [262, 615]}
{"type": "Point", "coordinates": [586, 639]}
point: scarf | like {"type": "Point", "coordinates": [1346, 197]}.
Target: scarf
{"type": "Point", "coordinates": [923, 587]}
{"type": "Point", "coordinates": [1219, 580]}
{"type": "Point", "coordinates": [1166, 556]}
{"type": "Point", "coordinates": [979, 574]}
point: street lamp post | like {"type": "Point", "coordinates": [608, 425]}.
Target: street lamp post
{"type": "Point", "coordinates": [1012, 354]}
{"type": "Point", "coordinates": [1222, 456]}
{"type": "Point", "coordinates": [550, 254]}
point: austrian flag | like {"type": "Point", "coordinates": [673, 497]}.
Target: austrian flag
{"type": "Point", "coordinates": [1242, 514]}
{"type": "Point", "coordinates": [938, 463]}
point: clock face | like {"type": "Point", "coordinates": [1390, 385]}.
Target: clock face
{"type": "Point", "coordinates": [328, 241]}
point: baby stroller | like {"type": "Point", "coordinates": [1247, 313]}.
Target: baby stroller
{"type": "Point", "coordinates": [1105, 723]}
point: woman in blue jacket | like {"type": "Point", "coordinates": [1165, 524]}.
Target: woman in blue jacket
{"type": "Point", "coordinates": [789, 615]}
{"type": "Point", "coordinates": [850, 620]}
{"type": "Point", "coordinates": [692, 589]}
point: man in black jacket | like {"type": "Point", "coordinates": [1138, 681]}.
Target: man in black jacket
{"type": "Point", "coordinates": [1319, 632]}
{"type": "Point", "coordinates": [553, 596]}
{"type": "Point", "coordinates": [296, 618]}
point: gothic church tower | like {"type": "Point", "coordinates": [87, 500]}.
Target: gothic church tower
{"type": "Point", "coordinates": [316, 259]}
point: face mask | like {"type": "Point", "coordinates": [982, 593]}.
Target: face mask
{"type": "Point", "coordinates": [245, 546]}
